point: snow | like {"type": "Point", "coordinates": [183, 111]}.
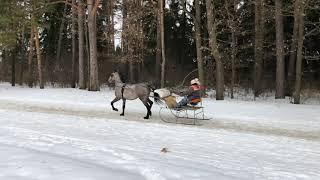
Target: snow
{"type": "Point", "coordinates": [63, 133]}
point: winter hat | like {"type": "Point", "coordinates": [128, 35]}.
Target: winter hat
{"type": "Point", "coordinates": [195, 81]}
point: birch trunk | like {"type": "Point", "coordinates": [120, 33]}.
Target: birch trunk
{"type": "Point", "coordinates": [40, 74]}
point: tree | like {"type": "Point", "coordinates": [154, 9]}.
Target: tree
{"type": "Point", "coordinates": [58, 55]}
{"type": "Point", "coordinates": [300, 7]}
{"type": "Point", "coordinates": [212, 30]}
{"type": "Point", "coordinates": [92, 31]}
{"type": "Point", "coordinates": [13, 68]}
{"type": "Point", "coordinates": [280, 72]}
{"type": "Point", "coordinates": [39, 58]}
{"type": "Point", "coordinates": [158, 46]}
{"type": "Point", "coordinates": [197, 24]}
{"type": "Point", "coordinates": [73, 32]}
{"type": "Point", "coordinates": [233, 23]}
{"type": "Point", "coordinates": [258, 46]}
{"type": "Point", "coordinates": [30, 58]}
{"type": "Point", "coordinates": [82, 83]}
{"type": "Point", "coordinates": [163, 63]}
{"type": "Point", "coordinates": [293, 49]}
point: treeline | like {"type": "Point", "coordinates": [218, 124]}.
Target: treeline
{"type": "Point", "coordinates": [260, 44]}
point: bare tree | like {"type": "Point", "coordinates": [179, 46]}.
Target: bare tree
{"type": "Point", "coordinates": [212, 30]}
{"type": "Point", "coordinates": [280, 72]}
{"type": "Point", "coordinates": [92, 12]}
{"type": "Point", "coordinates": [197, 24]}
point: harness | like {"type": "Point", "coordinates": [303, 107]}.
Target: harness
{"type": "Point", "coordinates": [122, 90]}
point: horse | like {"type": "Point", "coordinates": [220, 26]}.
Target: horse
{"type": "Point", "coordinates": [130, 92]}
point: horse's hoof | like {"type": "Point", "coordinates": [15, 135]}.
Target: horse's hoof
{"type": "Point", "coordinates": [122, 114]}
{"type": "Point", "coordinates": [115, 109]}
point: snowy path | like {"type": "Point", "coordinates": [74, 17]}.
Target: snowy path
{"type": "Point", "coordinates": [72, 135]}
{"type": "Point", "coordinates": [275, 118]}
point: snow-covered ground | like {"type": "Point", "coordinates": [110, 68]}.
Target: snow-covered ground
{"type": "Point", "coordinates": [71, 134]}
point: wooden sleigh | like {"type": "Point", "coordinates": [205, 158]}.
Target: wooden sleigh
{"type": "Point", "coordinates": [190, 114]}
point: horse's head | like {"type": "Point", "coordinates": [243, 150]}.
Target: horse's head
{"type": "Point", "coordinates": [114, 77]}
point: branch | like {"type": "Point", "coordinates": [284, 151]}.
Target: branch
{"type": "Point", "coordinates": [57, 2]}
{"type": "Point", "coordinates": [95, 7]}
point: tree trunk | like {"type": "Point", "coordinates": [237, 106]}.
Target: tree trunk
{"type": "Point", "coordinates": [163, 64]}
{"type": "Point", "coordinates": [258, 49]}
{"type": "Point", "coordinates": [280, 73]}
{"type": "Point", "coordinates": [82, 83]}
{"type": "Point", "coordinates": [30, 58]}
{"type": "Point", "coordinates": [73, 31]}
{"type": "Point", "coordinates": [36, 34]}
{"type": "Point", "coordinates": [198, 41]}
{"type": "Point", "coordinates": [22, 57]}
{"type": "Point", "coordinates": [13, 68]}
{"type": "Point", "coordinates": [293, 49]}
{"type": "Point", "coordinates": [233, 59]}
{"type": "Point", "coordinates": [112, 25]}
{"type": "Point", "coordinates": [158, 52]}
{"type": "Point", "coordinates": [61, 35]}
{"type": "Point", "coordinates": [87, 73]}
{"type": "Point", "coordinates": [233, 28]}
{"type": "Point", "coordinates": [299, 52]}
{"type": "Point", "coordinates": [94, 79]}
{"type": "Point", "coordinates": [212, 28]}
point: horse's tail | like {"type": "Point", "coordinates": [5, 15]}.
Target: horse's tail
{"type": "Point", "coordinates": [156, 96]}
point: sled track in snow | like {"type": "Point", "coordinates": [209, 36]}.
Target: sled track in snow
{"type": "Point", "coordinates": [134, 116]}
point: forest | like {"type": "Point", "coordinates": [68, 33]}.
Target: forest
{"type": "Point", "coordinates": [257, 45]}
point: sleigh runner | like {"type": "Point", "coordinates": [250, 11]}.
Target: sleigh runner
{"type": "Point", "coordinates": [189, 114]}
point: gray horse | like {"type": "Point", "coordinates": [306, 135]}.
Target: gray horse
{"type": "Point", "coordinates": [130, 92]}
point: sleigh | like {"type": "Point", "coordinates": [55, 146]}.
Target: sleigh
{"type": "Point", "coordinates": [191, 114]}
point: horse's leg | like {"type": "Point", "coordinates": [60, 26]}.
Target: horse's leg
{"type": "Point", "coordinates": [114, 100]}
{"type": "Point", "coordinates": [150, 104]}
{"type": "Point", "coordinates": [123, 106]}
{"type": "Point", "coordinates": [145, 102]}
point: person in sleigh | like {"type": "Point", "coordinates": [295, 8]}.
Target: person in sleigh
{"type": "Point", "coordinates": [192, 95]}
